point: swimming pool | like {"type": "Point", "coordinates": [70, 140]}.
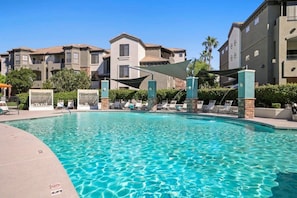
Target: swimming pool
{"type": "Point", "coordinates": [124, 154]}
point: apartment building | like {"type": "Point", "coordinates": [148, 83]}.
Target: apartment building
{"type": "Point", "coordinates": [127, 53]}
{"type": "Point", "coordinates": [46, 62]}
{"type": "Point", "coordinates": [266, 42]}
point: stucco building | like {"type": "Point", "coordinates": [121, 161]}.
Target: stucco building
{"type": "Point", "coordinates": [118, 62]}
{"type": "Point", "coordinates": [266, 42]}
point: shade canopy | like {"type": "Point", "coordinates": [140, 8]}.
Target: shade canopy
{"type": "Point", "coordinates": [134, 82]}
{"type": "Point", "coordinates": [3, 85]}
{"type": "Point", "coordinates": [177, 70]}
{"type": "Point", "coordinates": [231, 73]}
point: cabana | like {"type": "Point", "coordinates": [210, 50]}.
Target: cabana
{"type": "Point", "coordinates": [41, 99]}
{"type": "Point", "coordinates": [87, 99]}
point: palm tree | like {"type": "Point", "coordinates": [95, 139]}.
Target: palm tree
{"type": "Point", "coordinates": [209, 44]}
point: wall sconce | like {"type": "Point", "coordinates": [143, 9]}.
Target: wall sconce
{"type": "Point", "coordinates": [262, 66]}
{"type": "Point", "coordinates": [293, 69]}
{"type": "Point", "coordinates": [189, 88]}
{"type": "Point", "coordinates": [104, 89]}
{"type": "Point", "coordinates": [150, 89]}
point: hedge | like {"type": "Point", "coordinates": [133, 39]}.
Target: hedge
{"type": "Point", "coordinates": [265, 95]}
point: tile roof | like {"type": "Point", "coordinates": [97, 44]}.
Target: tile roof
{"type": "Point", "coordinates": [153, 59]}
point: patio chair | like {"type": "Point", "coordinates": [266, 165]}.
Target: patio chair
{"type": "Point", "coordinates": [3, 108]}
{"type": "Point", "coordinates": [171, 105]}
{"type": "Point", "coordinates": [210, 107]}
{"type": "Point", "coordinates": [60, 104]}
{"type": "Point", "coordinates": [162, 105]}
{"type": "Point", "coordinates": [70, 104]}
{"type": "Point", "coordinates": [200, 105]}
{"type": "Point", "coordinates": [226, 108]}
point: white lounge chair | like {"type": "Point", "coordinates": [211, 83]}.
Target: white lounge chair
{"type": "Point", "coordinates": [200, 105]}
{"type": "Point", "coordinates": [171, 105]}
{"type": "Point", "coordinates": [3, 108]}
{"type": "Point", "coordinates": [70, 104]}
{"type": "Point", "coordinates": [60, 104]}
{"type": "Point", "coordinates": [210, 107]}
{"type": "Point", "coordinates": [226, 108]}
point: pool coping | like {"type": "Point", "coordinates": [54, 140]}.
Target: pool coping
{"type": "Point", "coordinates": [30, 169]}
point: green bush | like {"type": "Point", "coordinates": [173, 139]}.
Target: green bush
{"type": "Point", "coordinates": [265, 95]}
{"type": "Point", "coordinates": [276, 105]}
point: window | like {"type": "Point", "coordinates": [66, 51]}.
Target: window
{"type": "Point", "coordinates": [247, 29]}
{"type": "Point", "coordinates": [17, 59]}
{"type": "Point", "coordinates": [231, 46]}
{"type": "Point", "coordinates": [124, 71]}
{"type": "Point", "coordinates": [25, 59]}
{"type": "Point", "coordinates": [68, 57]}
{"type": "Point", "coordinates": [256, 53]}
{"type": "Point", "coordinates": [235, 55]}
{"type": "Point", "coordinates": [226, 49]}
{"type": "Point", "coordinates": [124, 49]}
{"type": "Point", "coordinates": [256, 20]}
{"type": "Point", "coordinates": [231, 58]}
{"type": "Point", "coordinates": [235, 43]}
{"type": "Point", "coordinates": [94, 58]}
{"type": "Point", "coordinates": [223, 51]}
{"type": "Point", "coordinates": [75, 57]}
{"type": "Point", "coordinates": [180, 54]}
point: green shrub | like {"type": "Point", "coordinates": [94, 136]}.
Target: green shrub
{"type": "Point", "coordinates": [276, 105]}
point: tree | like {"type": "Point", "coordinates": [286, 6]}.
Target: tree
{"type": "Point", "coordinates": [210, 43]}
{"type": "Point", "coordinates": [21, 80]}
{"type": "Point", "coordinates": [70, 80]}
{"type": "Point", "coordinates": [199, 69]}
{"type": "Point", "coordinates": [2, 78]}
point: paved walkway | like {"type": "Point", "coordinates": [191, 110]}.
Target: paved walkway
{"type": "Point", "coordinates": [28, 168]}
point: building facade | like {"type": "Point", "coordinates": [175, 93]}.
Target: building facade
{"type": "Point", "coordinates": [266, 42]}
{"type": "Point", "coordinates": [127, 53]}
{"type": "Point", "coordinates": [121, 61]}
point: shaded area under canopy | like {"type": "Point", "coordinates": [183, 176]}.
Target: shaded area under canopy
{"type": "Point", "coordinates": [134, 82]}
{"type": "Point", "coordinates": [177, 70]}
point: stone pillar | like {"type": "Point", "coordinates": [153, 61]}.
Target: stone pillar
{"type": "Point", "coordinates": [246, 94]}
{"type": "Point", "coordinates": [152, 95]}
{"type": "Point", "coordinates": [192, 94]}
{"type": "Point", "coordinates": [104, 95]}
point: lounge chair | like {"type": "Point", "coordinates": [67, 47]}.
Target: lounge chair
{"type": "Point", "coordinates": [162, 105]}
{"type": "Point", "coordinates": [226, 108]}
{"type": "Point", "coordinates": [210, 107]}
{"type": "Point", "coordinates": [3, 107]}
{"type": "Point", "coordinates": [70, 104]}
{"type": "Point", "coordinates": [200, 105]}
{"type": "Point", "coordinates": [138, 105]}
{"type": "Point", "coordinates": [60, 104]}
{"type": "Point", "coordinates": [171, 105]}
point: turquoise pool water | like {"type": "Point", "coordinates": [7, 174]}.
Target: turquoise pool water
{"type": "Point", "coordinates": [110, 154]}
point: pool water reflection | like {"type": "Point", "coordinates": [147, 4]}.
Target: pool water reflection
{"type": "Point", "coordinates": [124, 154]}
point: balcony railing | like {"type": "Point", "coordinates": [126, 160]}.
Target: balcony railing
{"type": "Point", "coordinates": [291, 56]}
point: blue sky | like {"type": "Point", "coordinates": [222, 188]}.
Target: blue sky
{"type": "Point", "coordinates": [170, 23]}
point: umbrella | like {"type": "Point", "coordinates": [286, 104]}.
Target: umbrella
{"type": "Point", "coordinates": [2, 85]}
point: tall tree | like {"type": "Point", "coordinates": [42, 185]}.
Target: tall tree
{"type": "Point", "coordinates": [2, 78]}
{"type": "Point", "coordinates": [21, 80]}
{"type": "Point", "coordinates": [70, 80]}
{"type": "Point", "coordinates": [210, 43]}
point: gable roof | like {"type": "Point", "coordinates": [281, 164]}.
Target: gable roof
{"type": "Point", "coordinates": [124, 35]}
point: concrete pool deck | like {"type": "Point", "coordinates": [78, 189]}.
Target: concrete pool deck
{"type": "Point", "coordinates": [28, 168]}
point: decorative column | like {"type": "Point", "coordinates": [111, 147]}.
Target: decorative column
{"type": "Point", "coordinates": [246, 94]}
{"type": "Point", "coordinates": [104, 94]}
{"type": "Point", "coordinates": [192, 94]}
{"type": "Point", "coordinates": [152, 95]}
